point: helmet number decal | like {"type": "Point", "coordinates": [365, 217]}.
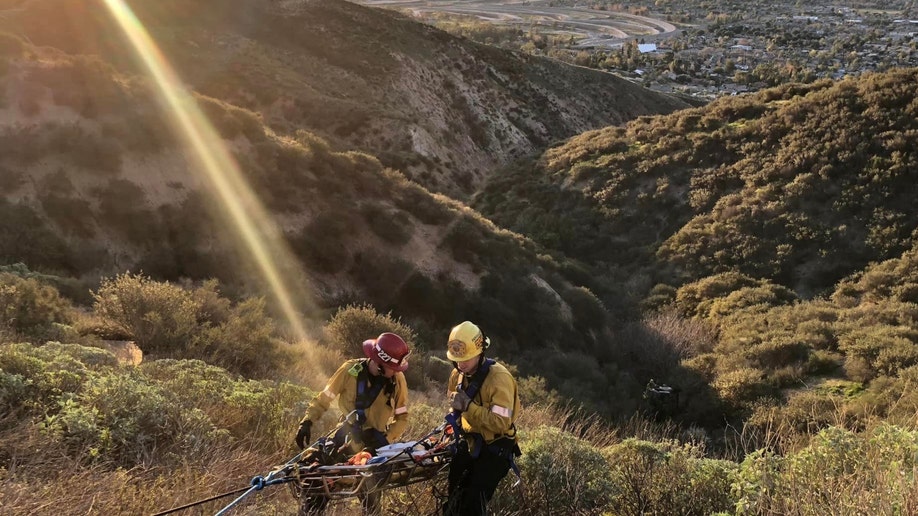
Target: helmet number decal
{"type": "Point", "coordinates": [385, 357]}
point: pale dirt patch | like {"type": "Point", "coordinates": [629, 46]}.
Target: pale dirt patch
{"type": "Point", "coordinates": [126, 351]}
{"type": "Point", "coordinates": [435, 136]}
{"type": "Point", "coordinates": [422, 250]}
{"type": "Point", "coordinates": [162, 177]}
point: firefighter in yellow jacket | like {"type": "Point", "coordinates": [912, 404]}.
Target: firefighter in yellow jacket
{"type": "Point", "coordinates": [374, 393]}
{"type": "Point", "coordinates": [485, 404]}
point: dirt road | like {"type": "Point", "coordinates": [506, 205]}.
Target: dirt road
{"type": "Point", "coordinates": [592, 28]}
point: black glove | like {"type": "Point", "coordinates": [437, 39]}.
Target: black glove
{"type": "Point", "coordinates": [373, 439]}
{"type": "Point", "coordinates": [460, 401]}
{"type": "Point", "coordinates": [304, 433]}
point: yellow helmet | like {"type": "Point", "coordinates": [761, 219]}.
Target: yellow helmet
{"type": "Point", "coordinates": [466, 341]}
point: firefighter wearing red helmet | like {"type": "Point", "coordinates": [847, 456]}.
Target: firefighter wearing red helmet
{"type": "Point", "coordinates": [374, 393]}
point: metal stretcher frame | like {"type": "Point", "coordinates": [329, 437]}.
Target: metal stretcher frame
{"type": "Point", "coordinates": [340, 481]}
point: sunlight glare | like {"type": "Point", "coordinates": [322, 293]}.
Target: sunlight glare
{"type": "Point", "coordinates": [220, 170]}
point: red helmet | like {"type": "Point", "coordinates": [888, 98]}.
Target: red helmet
{"type": "Point", "coordinates": [388, 350]}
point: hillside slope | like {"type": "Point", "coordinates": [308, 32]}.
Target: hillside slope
{"type": "Point", "coordinates": [94, 182]}
{"type": "Point", "coordinates": [801, 185]}
{"type": "Point", "coordinates": [443, 110]}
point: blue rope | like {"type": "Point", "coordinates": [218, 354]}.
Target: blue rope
{"type": "Point", "coordinates": [259, 482]}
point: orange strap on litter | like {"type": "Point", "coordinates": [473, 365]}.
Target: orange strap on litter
{"type": "Point", "coordinates": [360, 458]}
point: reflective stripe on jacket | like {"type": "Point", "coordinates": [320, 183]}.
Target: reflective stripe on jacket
{"type": "Point", "coordinates": [494, 408]}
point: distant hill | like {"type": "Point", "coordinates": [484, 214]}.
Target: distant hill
{"type": "Point", "coordinates": [801, 185]}
{"type": "Point", "coordinates": [443, 110]}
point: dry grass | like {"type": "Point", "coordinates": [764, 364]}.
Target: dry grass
{"type": "Point", "coordinates": [42, 482]}
{"type": "Point", "coordinates": [686, 337]}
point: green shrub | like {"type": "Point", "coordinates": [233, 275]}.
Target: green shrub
{"type": "Point", "coordinates": [659, 296]}
{"type": "Point", "coordinates": [353, 324]}
{"type": "Point", "coordinates": [805, 413]}
{"type": "Point", "coordinates": [754, 483]}
{"type": "Point", "coordinates": [779, 352]}
{"type": "Point", "coordinates": [564, 474]}
{"type": "Point", "coordinates": [244, 408]}
{"type": "Point", "coordinates": [533, 390]}
{"type": "Point", "coordinates": [705, 365]}
{"type": "Point", "coordinates": [818, 334]}
{"type": "Point", "coordinates": [231, 121]}
{"type": "Point", "coordinates": [418, 294]}
{"type": "Point", "coordinates": [833, 456]}
{"type": "Point", "coordinates": [43, 374]}
{"type": "Point", "coordinates": [588, 311]}
{"type": "Point", "coordinates": [245, 341]}
{"type": "Point", "coordinates": [822, 362]}
{"type": "Point", "coordinates": [118, 416]}
{"type": "Point", "coordinates": [31, 307]}
{"type": "Point", "coordinates": [428, 208]}
{"type": "Point", "coordinates": [26, 238]}
{"type": "Point", "coordinates": [667, 478]}
{"type": "Point", "coordinates": [741, 386]}
{"type": "Point", "coordinates": [695, 299]}
{"type": "Point", "coordinates": [394, 227]}
{"type": "Point", "coordinates": [381, 275]}
{"type": "Point", "coordinates": [899, 354]}
{"type": "Point", "coordinates": [160, 317]}
{"type": "Point", "coordinates": [878, 349]}
{"type": "Point", "coordinates": [20, 390]}
{"type": "Point", "coordinates": [465, 241]}
{"type": "Point", "coordinates": [165, 320]}
{"type": "Point", "coordinates": [759, 299]}
{"type": "Point", "coordinates": [837, 470]}
{"type": "Point", "coordinates": [859, 369]}
{"type": "Point", "coordinates": [323, 242]}
{"type": "Point", "coordinates": [166, 412]}
{"type": "Point", "coordinates": [14, 395]}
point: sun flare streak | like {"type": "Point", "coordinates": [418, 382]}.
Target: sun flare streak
{"type": "Point", "coordinates": [220, 170]}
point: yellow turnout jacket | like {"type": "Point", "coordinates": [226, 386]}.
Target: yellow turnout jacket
{"type": "Point", "coordinates": [388, 414]}
{"type": "Point", "coordinates": [495, 406]}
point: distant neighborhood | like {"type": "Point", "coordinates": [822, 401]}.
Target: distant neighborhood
{"type": "Point", "coordinates": [719, 48]}
{"type": "Point", "coordinates": [730, 53]}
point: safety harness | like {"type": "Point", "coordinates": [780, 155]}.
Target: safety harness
{"type": "Point", "coordinates": [471, 390]}
{"type": "Point", "coordinates": [367, 392]}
